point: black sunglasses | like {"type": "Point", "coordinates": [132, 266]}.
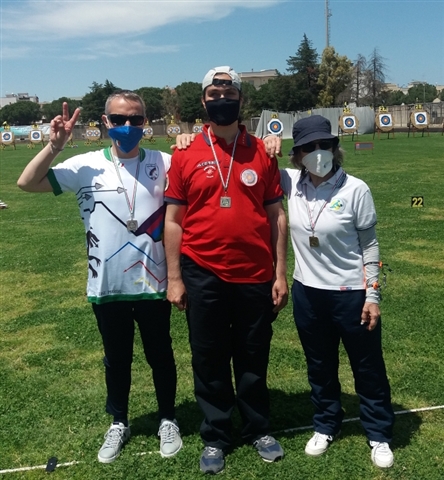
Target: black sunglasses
{"type": "Point", "coordinates": [135, 120]}
{"type": "Point", "coordinates": [221, 81]}
{"type": "Point", "coordinates": [323, 145]}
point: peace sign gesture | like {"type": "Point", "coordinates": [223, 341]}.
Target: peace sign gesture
{"type": "Point", "coordinates": [62, 126]}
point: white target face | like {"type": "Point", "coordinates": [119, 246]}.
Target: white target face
{"type": "Point", "coordinates": [173, 130]}
{"type": "Point", "coordinates": [93, 133]}
{"type": "Point", "coordinates": [6, 137]}
{"type": "Point", "coordinates": [349, 122]}
{"type": "Point", "coordinates": [385, 119]}
{"type": "Point", "coordinates": [36, 136]}
{"type": "Point", "coordinates": [421, 118]}
{"type": "Point", "coordinates": [275, 126]}
{"type": "Point", "coordinates": [197, 128]}
{"type": "Point", "coordinates": [148, 132]}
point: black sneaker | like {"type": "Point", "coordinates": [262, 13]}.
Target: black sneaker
{"type": "Point", "coordinates": [212, 460]}
{"type": "Point", "coordinates": [269, 449]}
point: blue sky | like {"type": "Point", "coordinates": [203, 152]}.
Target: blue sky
{"type": "Point", "coordinates": [54, 48]}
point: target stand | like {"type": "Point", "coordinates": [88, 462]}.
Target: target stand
{"type": "Point", "coordinates": [148, 134]}
{"type": "Point", "coordinates": [93, 135]}
{"type": "Point", "coordinates": [7, 138]}
{"type": "Point", "coordinates": [35, 137]}
{"type": "Point", "coordinates": [419, 121]}
{"type": "Point", "coordinates": [384, 123]}
{"type": "Point", "coordinates": [172, 131]}
{"type": "Point", "coordinates": [348, 123]}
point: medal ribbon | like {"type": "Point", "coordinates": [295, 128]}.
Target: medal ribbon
{"type": "Point", "coordinates": [338, 183]}
{"type": "Point", "coordinates": [224, 184]}
{"type": "Point", "coordinates": [131, 204]}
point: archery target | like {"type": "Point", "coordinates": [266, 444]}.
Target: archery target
{"type": "Point", "coordinates": [148, 132]}
{"type": "Point", "coordinates": [385, 119]}
{"type": "Point", "coordinates": [173, 130]}
{"type": "Point", "coordinates": [349, 122]}
{"type": "Point", "coordinates": [197, 128]}
{"type": "Point", "coordinates": [275, 126]}
{"type": "Point", "coordinates": [93, 132]}
{"type": "Point", "coordinates": [36, 136]}
{"type": "Point", "coordinates": [421, 119]}
{"type": "Point", "coordinates": [7, 137]}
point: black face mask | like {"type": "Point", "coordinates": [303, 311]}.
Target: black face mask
{"type": "Point", "coordinates": [223, 111]}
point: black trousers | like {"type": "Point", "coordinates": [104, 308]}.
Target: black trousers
{"type": "Point", "coordinates": [324, 318]}
{"type": "Point", "coordinates": [116, 322]}
{"type": "Point", "coordinates": [229, 322]}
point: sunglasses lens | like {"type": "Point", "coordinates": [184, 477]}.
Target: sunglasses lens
{"type": "Point", "coordinates": [325, 145]}
{"type": "Point", "coordinates": [311, 147]}
{"type": "Point", "coordinates": [308, 147]}
{"type": "Point", "coordinates": [222, 81]}
{"type": "Point", "coordinates": [116, 119]}
{"type": "Point", "coordinates": [119, 120]}
{"type": "Point", "coordinates": [136, 120]}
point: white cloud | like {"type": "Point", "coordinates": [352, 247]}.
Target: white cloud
{"type": "Point", "coordinates": [58, 20]}
{"type": "Point", "coordinates": [116, 48]}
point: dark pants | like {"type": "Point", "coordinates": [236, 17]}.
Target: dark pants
{"type": "Point", "coordinates": [323, 318]}
{"type": "Point", "coordinates": [116, 325]}
{"type": "Point", "coordinates": [229, 321]}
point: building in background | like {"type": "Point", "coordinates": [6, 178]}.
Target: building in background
{"type": "Point", "coordinates": [258, 78]}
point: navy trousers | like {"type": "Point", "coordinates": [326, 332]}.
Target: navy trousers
{"type": "Point", "coordinates": [323, 318]}
{"type": "Point", "coordinates": [229, 322]}
{"type": "Point", "coordinates": [116, 323]}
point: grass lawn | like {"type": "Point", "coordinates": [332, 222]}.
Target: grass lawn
{"type": "Point", "coordinates": [52, 390]}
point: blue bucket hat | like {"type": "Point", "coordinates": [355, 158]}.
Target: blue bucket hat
{"type": "Point", "coordinates": [315, 127]}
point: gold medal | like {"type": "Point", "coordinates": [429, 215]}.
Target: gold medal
{"type": "Point", "coordinates": [314, 241]}
{"type": "Point", "coordinates": [225, 202]}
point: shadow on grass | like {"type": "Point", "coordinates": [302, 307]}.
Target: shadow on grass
{"type": "Point", "coordinates": [291, 416]}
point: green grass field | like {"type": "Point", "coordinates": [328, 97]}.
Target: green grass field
{"type": "Point", "coordinates": [52, 390]}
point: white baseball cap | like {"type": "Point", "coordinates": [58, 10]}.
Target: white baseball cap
{"type": "Point", "coordinates": [208, 79]}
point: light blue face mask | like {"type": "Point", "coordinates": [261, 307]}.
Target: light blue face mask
{"type": "Point", "coordinates": [126, 137]}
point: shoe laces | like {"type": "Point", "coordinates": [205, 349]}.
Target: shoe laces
{"type": "Point", "coordinates": [113, 436]}
{"type": "Point", "coordinates": [381, 447]}
{"type": "Point", "coordinates": [265, 440]}
{"type": "Point", "coordinates": [321, 437]}
{"type": "Point", "coordinates": [168, 431]}
{"type": "Point", "coordinates": [211, 451]}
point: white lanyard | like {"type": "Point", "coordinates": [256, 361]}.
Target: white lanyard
{"type": "Point", "coordinates": [225, 201]}
{"type": "Point", "coordinates": [131, 224]}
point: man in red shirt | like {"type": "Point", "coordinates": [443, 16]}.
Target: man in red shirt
{"type": "Point", "coordinates": [225, 241]}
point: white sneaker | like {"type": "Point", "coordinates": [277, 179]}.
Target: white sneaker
{"type": "Point", "coordinates": [115, 437]}
{"type": "Point", "coordinates": [170, 441]}
{"type": "Point", "coordinates": [318, 444]}
{"type": "Point", "coordinates": [382, 456]}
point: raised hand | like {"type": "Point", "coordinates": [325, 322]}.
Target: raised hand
{"type": "Point", "coordinates": [62, 126]}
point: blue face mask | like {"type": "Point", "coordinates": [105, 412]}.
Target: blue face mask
{"type": "Point", "coordinates": [126, 137]}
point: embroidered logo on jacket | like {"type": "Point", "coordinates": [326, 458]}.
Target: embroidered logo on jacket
{"type": "Point", "coordinates": [152, 171]}
{"type": "Point", "coordinates": [249, 177]}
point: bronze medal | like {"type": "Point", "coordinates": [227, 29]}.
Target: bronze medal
{"type": "Point", "coordinates": [314, 241]}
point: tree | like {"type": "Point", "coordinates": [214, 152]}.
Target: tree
{"type": "Point", "coordinates": [170, 104]}
{"type": "Point", "coordinates": [189, 101]}
{"type": "Point", "coordinates": [51, 110]}
{"type": "Point", "coordinates": [21, 113]}
{"type": "Point", "coordinates": [153, 101]}
{"type": "Point", "coordinates": [304, 70]}
{"type": "Point", "coordinates": [421, 93]}
{"type": "Point", "coordinates": [305, 63]}
{"type": "Point", "coordinates": [358, 85]}
{"type": "Point", "coordinates": [250, 105]}
{"type": "Point", "coordinates": [93, 103]}
{"type": "Point", "coordinates": [375, 76]}
{"type": "Point", "coordinates": [335, 73]}
{"type": "Point", "coordinates": [397, 97]}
